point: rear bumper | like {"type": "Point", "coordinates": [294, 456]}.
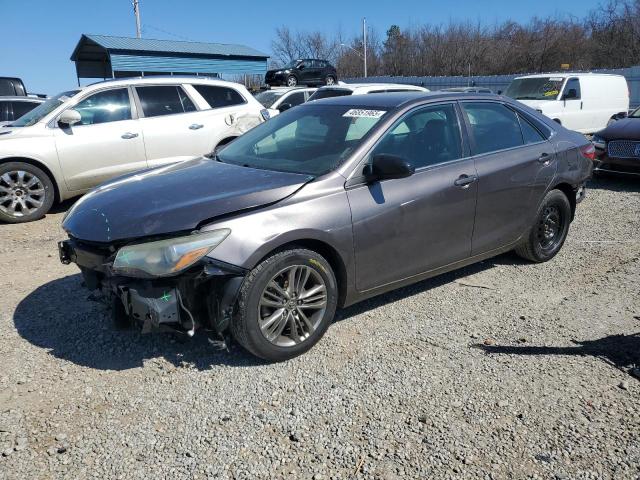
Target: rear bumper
{"type": "Point", "coordinates": [201, 297]}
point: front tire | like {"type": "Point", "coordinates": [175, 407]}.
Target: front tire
{"type": "Point", "coordinates": [550, 229]}
{"type": "Point", "coordinates": [330, 80]}
{"type": "Point", "coordinates": [26, 192]}
{"type": "Point", "coordinates": [292, 81]}
{"type": "Point", "coordinates": [285, 305]}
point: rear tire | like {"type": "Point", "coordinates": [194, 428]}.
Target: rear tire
{"type": "Point", "coordinates": [550, 229]}
{"type": "Point", "coordinates": [26, 192]}
{"type": "Point", "coordinates": [285, 305]}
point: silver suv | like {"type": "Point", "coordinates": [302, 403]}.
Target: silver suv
{"type": "Point", "coordinates": [81, 138]}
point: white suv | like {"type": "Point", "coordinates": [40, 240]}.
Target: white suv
{"type": "Point", "coordinates": [81, 138]}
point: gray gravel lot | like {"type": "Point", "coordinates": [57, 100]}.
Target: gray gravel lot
{"type": "Point", "coordinates": [501, 370]}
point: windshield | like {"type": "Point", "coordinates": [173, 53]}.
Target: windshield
{"type": "Point", "coordinates": [330, 92]}
{"type": "Point", "coordinates": [536, 88]}
{"type": "Point", "coordinates": [42, 110]}
{"type": "Point", "coordinates": [268, 98]}
{"type": "Point", "coordinates": [635, 113]}
{"type": "Point", "coordinates": [310, 139]}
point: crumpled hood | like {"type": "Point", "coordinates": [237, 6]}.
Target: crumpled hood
{"type": "Point", "coordinates": [174, 198]}
{"type": "Point", "coordinates": [624, 129]}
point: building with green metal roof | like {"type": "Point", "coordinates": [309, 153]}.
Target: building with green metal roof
{"type": "Point", "coordinates": [104, 56]}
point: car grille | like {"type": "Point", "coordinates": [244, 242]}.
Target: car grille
{"type": "Point", "coordinates": [623, 149]}
{"type": "Point", "coordinates": [270, 75]}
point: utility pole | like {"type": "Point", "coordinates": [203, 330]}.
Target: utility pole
{"type": "Point", "coordinates": [136, 12]}
{"type": "Point", "coordinates": [364, 44]}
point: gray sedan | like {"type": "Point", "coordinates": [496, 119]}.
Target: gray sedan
{"type": "Point", "coordinates": [323, 206]}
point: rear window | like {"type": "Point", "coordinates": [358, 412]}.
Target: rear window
{"type": "Point", "coordinates": [218, 97]}
{"type": "Point", "coordinates": [329, 93]}
{"type": "Point", "coordinates": [20, 108]}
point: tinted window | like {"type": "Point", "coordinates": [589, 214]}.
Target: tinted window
{"type": "Point", "coordinates": [330, 92]}
{"type": "Point", "coordinates": [218, 97]}
{"type": "Point", "coordinates": [20, 108]}
{"type": "Point", "coordinates": [494, 126]}
{"type": "Point", "coordinates": [164, 100]}
{"type": "Point", "coordinates": [426, 137]}
{"type": "Point", "coordinates": [529, 133]}
{"type": "Point", "coordinates": [573, 84]}
{"type": "Point", "coordinates": [295, 99]}
{"type": "Point", "coordinates": [103, 107]}
{"type": "Point", "coordinates": [4, 111]}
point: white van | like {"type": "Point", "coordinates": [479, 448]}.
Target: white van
{"type": "Point", "coordinates": [585, 102]}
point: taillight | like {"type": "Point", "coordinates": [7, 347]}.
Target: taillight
{"type": "Point", "coordinates": [588, 151]}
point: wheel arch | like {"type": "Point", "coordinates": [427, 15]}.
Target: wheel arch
{"type": "Point", "coordinates": [41, 166]}
{"type": "Point", "coordinates": [327, 251]}
{"type": "Point", "coordinates": [570, 193]}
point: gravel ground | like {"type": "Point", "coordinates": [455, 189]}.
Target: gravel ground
{"type": "Point", "coordinates": [501, 370]}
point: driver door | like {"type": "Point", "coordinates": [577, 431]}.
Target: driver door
{"type": "Point", "coordinates": [107, 142]}
{"type": "Point", "coordinates": [408, 226]}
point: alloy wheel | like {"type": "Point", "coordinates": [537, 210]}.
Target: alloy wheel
{"type": "Point", "coordinates": [330, 81]}
{"type": "Point", "coordinates": [21, 193]}
{"type": "Point", "coordinates": [292, 305]}
{"type": "Point", "coordinates": [292, 82]}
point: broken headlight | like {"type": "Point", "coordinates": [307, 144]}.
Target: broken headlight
{"type": "Point", "coordinates": [166, 257]}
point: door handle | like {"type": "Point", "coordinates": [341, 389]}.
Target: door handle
{"type": "Point", "coordinates": [129, 135]}
{"type": "Point", "coordinates": [465, 180]}
{"type": "Point", "coordinates": [195, 126]}
{"type": "Point", "coordinates": [544, 158]}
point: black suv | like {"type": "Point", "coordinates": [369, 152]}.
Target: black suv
{"type": "Point", "coordinates": [306, 71]}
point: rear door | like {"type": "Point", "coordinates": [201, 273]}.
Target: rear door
{"type": "Point", "coordinates": [106, 143]}
{"type": "Point", "coordinates": [404, 227]}
{"type": "Point", "coordinates": [173, 128]}
{"type": "Point", "coordinates": [515, 164]}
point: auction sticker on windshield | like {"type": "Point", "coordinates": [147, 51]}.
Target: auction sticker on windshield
{"type": "Point", "coordinates": [358, 113]}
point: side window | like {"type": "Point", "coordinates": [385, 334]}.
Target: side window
{"type": "Point", "coordinates": [20, 108]}
{"type": "Point", "coordinates": [529, 133]}
{"type": "Point", "coordinates": [104, 107]}
{"type": "Point", "coordinates": [4, 112]}
{"type": "Point", "coordinates": [295, 99]}
{"type": "Point", "coordinates": [218, 97]}
{"type": "Point", "coordinates": [164, 100]}
{"type": "Point", "coordinates": [572, 84]}
{"type": "Point", "coordinates": [493, 126]}
{"type": "Point", "coordinates": [426, 137]}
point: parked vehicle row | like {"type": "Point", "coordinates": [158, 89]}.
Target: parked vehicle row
{"type": "Point", "coordinates": [81, 138]}
{"type": "Point", "coordinates": [292, 220]}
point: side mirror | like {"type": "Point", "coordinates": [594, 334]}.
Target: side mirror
{"type": "Point", "coordinates": [69, 117]}
{"type": "Point", "coordinates": [571, 93]}
{"type": "Point", "coordinates": [284, 107]}
{"type": "Point", "coordinates": [385, 166]}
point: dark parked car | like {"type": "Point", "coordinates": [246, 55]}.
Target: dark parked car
{"type": "Point", "coordinates": [308, 71]}
{"type": "Point", "coordinates": [12, 86]}
{"type": "Point", "coordinates": [325, 205]}
{"type": "Point", "coordinates": [467, 90]}
{"type": "Point", "coordinates": [618, 146]}
{"type": "Point", "coordinates": [12, 108]}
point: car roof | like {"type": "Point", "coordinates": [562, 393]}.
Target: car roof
{"type": "Point", "coordinates": [22, 98]}
{"type": "Point", "coordinates": [395, 99]}
{"type": "Point", "coordinates": [568, 74]}
{"type": "Point", "coordinates": [365, 86]}
{"type": "Point", "coordinates": [162, 79]}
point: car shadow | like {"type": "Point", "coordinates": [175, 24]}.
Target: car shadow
{"type": "Point", "coordinates": [620, 351]}
{"type": "Point", "coordinates": [63, 206]}
{"type": "Point", "coordinates": [614, 183]}
{"type": "Point", "coordinates": [58, 317]}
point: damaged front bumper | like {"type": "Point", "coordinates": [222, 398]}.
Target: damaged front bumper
{"type": "Point", "coordinates": [203, 296]}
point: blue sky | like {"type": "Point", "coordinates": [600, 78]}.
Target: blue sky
{"type": "Point", "coordinates": [39, 35]}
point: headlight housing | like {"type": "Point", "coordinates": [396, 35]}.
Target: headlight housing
{"type": "Point", "coordinates": [166, 257]}
{"type": "Point", "coordinates": [599, 142]}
